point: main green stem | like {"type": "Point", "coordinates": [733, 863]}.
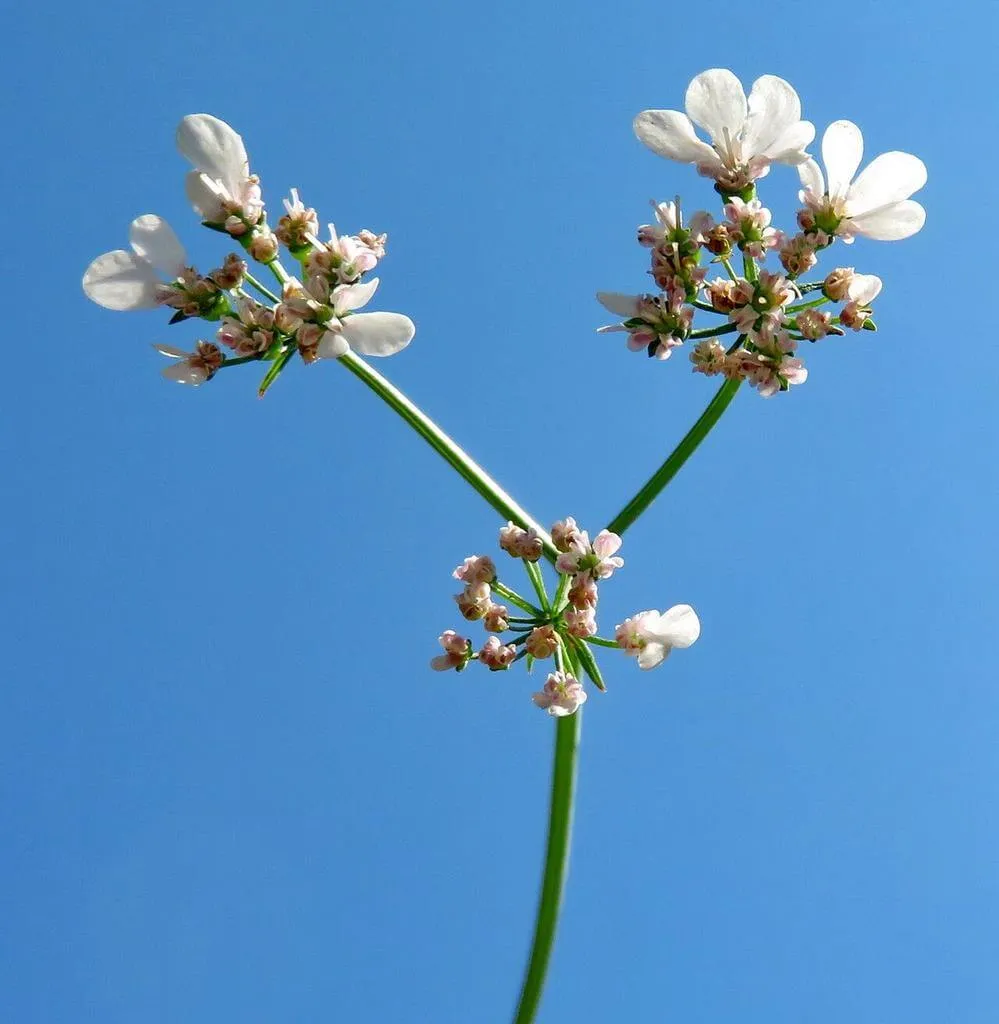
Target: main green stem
{"type": "Point", "coordinates": [563, 793]}
{"type": "Point", "coordinates": [567, 729]}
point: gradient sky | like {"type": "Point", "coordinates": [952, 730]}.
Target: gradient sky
{"type": "Point", "coordinates": [230, 786]}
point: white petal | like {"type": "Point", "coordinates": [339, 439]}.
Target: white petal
{"type": "Point", "coordinates": [121, 280]}
{"type": "Point", "coordinates": [622, 305]}
{"type": "Point", "coordinates": [715, 100]}
{"type": "Point", "coordinates": [892, 222]}
{"type": "Point", "coordinates": [864, 289]}
{"type": "Point", "coordinates": [215, 148]}
{"type": "Point", "coordinates": [679, 626]}
{"type": "Point", "coordinates": [378, 334]}
{"type": "Point", "coordinates": [331, 346]}
{"type": "Point", "coordinates": [613, 329]}
{"type": "Point", "coordinates": [346, 297]}
{"type": "Point", "coordinates": [154, 240]}
{"type": "Point", "coordinates": [886, 179]}
{"type": "Point", "coordinates": [670, 134]}
{"type": "Point", "coordinates": [811, 176]}
{"type": "Point", "coordinates": [184, 373]}
{"type": "Point", "coordinates": [774, 107]}
{"type": "Point", "coordinates": [842, 149]}
{"type": "Point", "coordinates": [204, 197]}
{"type": "Point", "coordinates": [652, 654]}
{"type": "Point", "coordinates": [789, 146]}
{"type": "Point", "coordinates": [170, 351]}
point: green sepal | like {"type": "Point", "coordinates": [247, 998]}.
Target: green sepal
{"type": "Point", "coordinates": [589, 664]}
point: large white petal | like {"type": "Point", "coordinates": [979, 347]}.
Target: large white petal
{"type": "Point", "coordinates": [789, 146]}
{"type": "Point", "coordinates": [203, 197]}
{"type": "Point", "coordinates": [169, 351]}
{"type": "Point", "coordinates": [346, 297]}
{"type": "Point", "coordinates": [155, 242]}
{"type": "Point", "coordinates": [622, 305]}
{"type": "Point", "coordinates": [892, 222]}
{"type": "Point", "coordinates": [886, 179]}
{"type": "Point", "coordinates": [121, 280]}
{"type": "Point", "coordinates": [864, 289]}
{"type": "Point", "coordinates": [842, 149]}
{"type": "Point", "coordinates": [679, 626]}
{"type": "Point", "coordinates": [773, 108]}
{"type": "Point", "coordinates": [331, 346]}
{"type": "Point", "coordinates": [716, 101]}
{"type": "Point", "coordinates": [378, 334]}
{"type": "Point", "coordinates": [670, 134]}
{"type": "Point", "coordinates": [185, 373]}
{"type": "Point", "coordinates": [811, 176]}
{"type": "Point", "coordinates": [652, 654]}
{"type": "Point", "coordinates": [215, 148]}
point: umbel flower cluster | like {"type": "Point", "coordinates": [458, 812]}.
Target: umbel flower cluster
{"type": "Point", "coordinates": [769, 310]}
{"type": "Point", "coordinates": [315, 313]}
{"type": "Point", "coordinates": [559, 627]}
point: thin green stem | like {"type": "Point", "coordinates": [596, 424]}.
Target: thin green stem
{"type": "Point", "coordinates": [601, 641]}
{"type": "Point", "coordinates": [266, 292]}
{"type": "Point", "coordinates": [713, 332]}
{"type": "Point", "coordinates": [514, 598]}
{"type": "Point", "coordinates": [448, 449]}
{"type": "Point", "coordinates": [537, 581]}
{"type": "Point", "coordinates": [662, 476]}
{"type": "Point", "coordinates": [563, 788]}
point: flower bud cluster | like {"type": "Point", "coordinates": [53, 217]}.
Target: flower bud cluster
{"type": "Point", "coordinates": [767, 311]}
{"type": "Point", "coordinates": [316, 312]}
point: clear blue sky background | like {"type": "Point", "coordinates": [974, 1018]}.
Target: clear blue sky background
{"type": "Point", "coordinates": [230, 787]}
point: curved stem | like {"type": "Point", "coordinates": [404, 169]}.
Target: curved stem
{"type": "Point", "coordinates": [662, 476]}
{"type": "Point", "coordinates": [448, 449]}
{"type": "Point", "coordinates": [567, 731]}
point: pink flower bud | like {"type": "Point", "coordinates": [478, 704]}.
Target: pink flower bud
{"type": "Point", "coordinates": [476, 569]}
{"type": "Point", "coordinates": [473, 602]}
{"type": "Point", "coordinates": [542, 642]}
{"type": "Point", "coordinates": [562, 695]}
{"type": "Point", "coordinates": [456, 652]}
{"type": "Point", "coordinates": [496, 620]}
{"type": "Point", "coordinates": [495, 655]}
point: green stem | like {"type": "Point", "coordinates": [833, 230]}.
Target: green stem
{"type": "Point", "coordinates": [266, 292]}
{"type": "Point", "coordinates": [448, 449]}
{"type": "Point", "coordinates": [514, 598]}
{"type": "Point", "coordinates": [713, 332]}
{"type": "Point", "coordinates": [563, 788]}
{"type": "Point", "coordinates": [662, 476]}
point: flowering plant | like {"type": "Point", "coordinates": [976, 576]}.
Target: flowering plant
{"type": "Point", "coordinates": [734, 266]}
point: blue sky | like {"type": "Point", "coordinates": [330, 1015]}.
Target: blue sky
{"type": "Point", "coordinates": [232, 789]}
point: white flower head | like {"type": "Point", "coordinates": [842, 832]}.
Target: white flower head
{"type": "Point", "coordinates": [192, 368]}
{"type": "Point", "coordinates": [221, 183]}
{"type": "Point", "coordinates": [876, 204]}
{"type": "Point", "coordinates": [370, 334]}
{"type": "Point", "coordinates": [123, 280]}
{"type": "Point", "coordinates": [747, 135]}
{"type": "Point", "coordinates": [650, 636]}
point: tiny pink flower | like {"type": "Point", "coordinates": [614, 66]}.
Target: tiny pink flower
{"type": "Point", "coordinates": [862, 291]}
{"type": "Point", "coordinates": [836, 285]}
{"type": "Point", "coordinates": [457, 651]}
{"type": "Point", "coordinates": [496, 655]}
{"type": "Point", "coordinates": [562, 695]}
{"type": "Point", "coordinates": [581, 622]}
{"type": "Point", "coordinates": [473, 602]}
{"type": "Point", "coordinates": [476, 569]}
{"type": "Point", "coordinates": [709, 356]}
{"type": "Point", "coordinates": [814, 324]}
{"type": "Point", "coordinates": [583, 593]}
{"type": "Point", "coordinates": [596, 561]}
{"type": "Point", "coordinates": [519, 543]}
{"type": "Point", "coordinates": [651, 635]}
{"type": "Point", "coordinates": [496, 619]}
{"type": "Point", "coordinates": [564, 533]}
{"type": "Point", "coordinates": [542, 642]}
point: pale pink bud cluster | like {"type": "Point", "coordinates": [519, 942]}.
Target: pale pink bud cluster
{"type": "Point", "coordinates": [251, 331]}
{"type": "Point", "coordinates": [749, 227]}
{"type": "Point", "coordinates": [476, 569]}
{"type": "Point", "coordinates": [344, 258]}
{"type": "Point", "coordinates": [543, 642]}
{"type": "Point", "coordinates": [798, 253]}
{"type": "Point", "coordinates": [474, 601]}
{"type": "Point", "coordinates": [772, 367]}
{"type": "Point", "coordinates": [813, 324]}
{"type": "Point", "coordinates": [520, 543]}
{"type": "Point", "coordinates": [758, 307]}
{"type": "Point", "coordinates": [561, 695]}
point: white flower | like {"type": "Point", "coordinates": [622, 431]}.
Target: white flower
{"type": "Point", "coordinates": [562, 695]}
{"type": "Point", "coordinates": [746, 135]}
{"type": "Point", "coordinates": [222, 169]}
{"type": "Point", "coordinates": [877, 203]}
{"type": "Point", "coordinates": [371, 334]}
{"type": "Point", "coordinates": [125, 280]}
{"type": "Point", "coordinates": [192, 368]}
{"type": "Point", "coordinates": [652, 635]}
